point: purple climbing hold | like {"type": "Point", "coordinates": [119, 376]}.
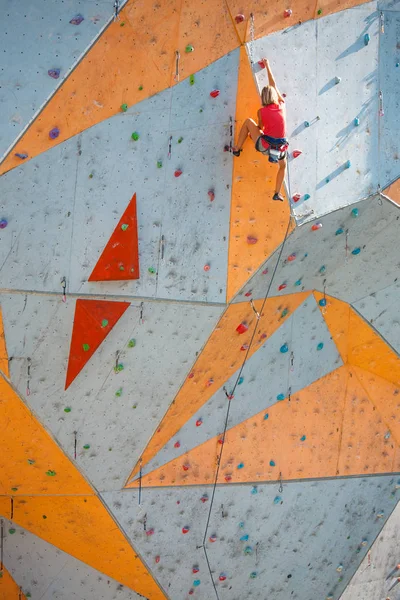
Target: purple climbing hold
{"type": "Point", "coordinates": [3, 223]}
{"type": "Point", "coordinates": [54, 73]}
{"type": "Point", "coordinates": [77, 20]}
{"type": "Point", "coordinates": [54, 133]}
{"type": "Point", "coordinates": [21, 155]}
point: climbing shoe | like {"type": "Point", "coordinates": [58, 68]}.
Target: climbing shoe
{"type": "Point", "coordinates": [237, 152]}
{"type": "Point", "coordinates": [277, 196]}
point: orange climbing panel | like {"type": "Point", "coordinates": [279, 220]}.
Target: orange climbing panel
{"type": "Point", "coordinates": [327, 7]}
{"type": "Point", "coordinates": [93, 321]}
{"type": "Point", "coordinates": [3, 349]}
{"type": "Point", "coordinates": [9, 590]}
{"type": "Point", "coordinates": [258, 223]}
{"type": "Point", "coordinates": [30, 461]}
{"type": "Point", "coordinates": [221, 357]}
{"type": "Point", "coordinates": [337, 316]}
{"type": "Point", "coordinates": [82, 527]}
{"type": "Point", "coordinates": [393, 191]}
{"type": "Point", "coordinates": [120, 258]}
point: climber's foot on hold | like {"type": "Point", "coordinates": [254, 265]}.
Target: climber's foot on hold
{"type": "Point", "coordinates": [236, 151]}
{"type": "Point", "coordinates": [277, 196]}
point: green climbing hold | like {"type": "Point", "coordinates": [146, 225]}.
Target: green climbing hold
{"type": "Point", "coordinates": [134, 406]}
{"type": "Point", "coordinates": [319, 11]}
{"type": "Point", "coordinates": [159, 164]}
{"type": "Point", "coordinates": [51, 473]}
{"type": "Point", "coordinates": [90, 175]}
{"type": "Point", "coordinates": [44, 517]}
{"type": "Point", "coordinates": [191, 80]}
{"type": "Point", "coordinates": [86, 446]}
{"type": "Point", "coordinates": [122, 24]}
{"type": "Point", "coordinates": [121, 268]}
{"type": "Point", "coordinates": [86, 347]}
{"type": "Point", "coordinates": [67, 409]}
{"type": "Point", "coordinates": [118, 393]}
{"type": "Point", "coordinates": [124, 226]}
{"type": "Point", "coordinates": [201, 110]}
{"type": "Point", "coordinates": [132, 343]}
{"type": "Point", "coordinates": [284, 312]}
{"type": "Point", "coordinates": [11, 531]}
{"type": "Point", "coordinates": [124, 107]}
{"type": "Point", "coordinates": [1, 574]}
{"type": "Point", "coordinates": [151, 270]}
{"type": "Point", "coordinates": [180, 140]}
{"type": "Point", "coordinates": [14, 489]}
{"type": "Point", "coordinates": [189, 48]}
{"type": "Point", "coordinates": [135, 136]}
{"type": "Point", "coordinates": [30, 461]}
{"type": "Point", "coordinates": [104, 323]}
{"type": "Point", "coordinates": [140, 88]}
{"type": "Point", "coordinates": [118, 368]}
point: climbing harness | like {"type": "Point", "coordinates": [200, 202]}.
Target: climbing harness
{"type": "Point", "coordinates": [274, 148]}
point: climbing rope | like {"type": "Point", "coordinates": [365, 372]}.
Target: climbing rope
{"type": "Point", "coordinates": [252, 35]}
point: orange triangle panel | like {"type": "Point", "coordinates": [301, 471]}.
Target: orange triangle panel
{"type": "Point", "coordinates": [337, 315]}
{"type": "Point", "coordinates": [120, 258]}
{"type": "Point", "coordinates": [9, 590]}
{"type": "Point", "coordinates": [93, 321]}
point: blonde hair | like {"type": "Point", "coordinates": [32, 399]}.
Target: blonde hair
{"type": "Point", "coordinates": [269, 95]}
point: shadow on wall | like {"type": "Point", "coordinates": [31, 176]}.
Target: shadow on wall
{"type": "Point", "coordinates": [360, 42]}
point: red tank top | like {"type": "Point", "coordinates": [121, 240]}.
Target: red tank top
{"type": "Point", "coordinates": [273, 118]}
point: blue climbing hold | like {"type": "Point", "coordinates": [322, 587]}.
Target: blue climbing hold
{"type": "Point", "coordinates": [322, 302]}
{"type": "Point", "coordinates": [280, 397]}
{"type": "Point", "coordinates": [322, 269]}
{"type": "Point", "coordinates": [298, 282]}
{"type": "Point", "coordinates": [320, 346]}
{"type": "Point", "coordinates": [241, 524]}
{"type": "Point", "coordinates": [347, 164]}
{"type": "Point", "coordinates": [266, 416]}
{"type": "Point", "coordinates": [284, 348]}
{"type": "Point", "coordinates": [303, 438]}
{"type": "Point", "coordinates": [271, 463]}
{"type": "Point", "coordinates": [21, 155]}
{"type": "Point", "coordinates": [306, 124]}
{"type": "Point", "coordinates": [240, 466]}
{"type": "Point", "coordinates": [356, 251]}
{"type": "Point", "coordinates": [307, 196]}
{"type": "Point", "coordinates": [356, 122]}
{"type": "Point", "coordinates": [277, 500]}
{"type": "Point", "coordinates": [254, 490]}
{"type": "Point", "coordinates": [339, 231]}
{"type": "Point", "coordinates": [3, 223]}
{"type": "Point", "coordinates": [244, 538]}
{"type": "Point", "coordinates": [366, 39]}
{"type": "Point", "coordinates": [248, 550]}
{"type": "Point", "coordinates": [54, 73]}
{"type": "Point", "coordinates": [354, 212]}
{"type": "Point", "coordinates": [196, 582]}
{"type": "Point", "coordinates": [240, 380]}
{"type": "Point", "coordinates": [253, 574]}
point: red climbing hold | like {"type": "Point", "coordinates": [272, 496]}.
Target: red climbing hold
{"type": "Point", "coordinates": [296, 153]}
{"type": "Point", "coordinates": [239, 19]}
{"type": "Point", "coordinates": [282, 286]}
{"type": "Point", "coordinates": [177, 445]}
{"type": "Point", "coordinates": [212, 538]}
{"type": "Point", "coordinates": [214, 93]}
{"type": "Point", "coordinates": [157, 559]}
{"type": "Point", "coordinates": [204, 498]}
{"type": "Point", "coordinates": [178, 173]}
{"type": "Point", "coordinates": [206, 267]}
{"type": "Point", "coordinates": [209, 382]}
{"type": "Point", "coordinates": [244, 347]}
{"type": "Point", "coordinates": [191, 375]}
{"type": "Point", "coordinates": [228, 477]}
{"type": "Point", "coordinates": [248, 294]}
{"type": "Point", "coordinates": [242, 328]}
{"type": "Point", "coordinates": [149, 532]}
{"type": "Point", "coordinates": [262, 64]}
{"type": "Point", "coordinates": [287, 13]}
{"type": "Point", "coordinates": [211, 195]}
{"type": "Point", "coordinates": [251, 240]}
{"type": "Point", "coordinates": [88, 330]}
{"type": "Point", "coordinates": [265, 271]}
{"type": "Point", "coordinates": [119, 260]}
{"type": "Point", "coordinates": [195, 570]}
{"type": "Point", "coordinates": [296, 197]}
{"type": "Point", "coordinates": [199, 422]}
{"type": "Point", "coordinates": [185, 529]}
{"type": "Point", "coordinates": [222, 577]}
{"type": "Point", "coordinates": [292, 257]}
{"type": "Point", "coordinates": [316, 226]}
{"type": "Point", "coordinates": [221, 441]}
{"type": "Point", "coordinates": [191, 592]}
{"type": "Point", "coordinates": [185, 467]}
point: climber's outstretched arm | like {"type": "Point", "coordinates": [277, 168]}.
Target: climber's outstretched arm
{"type": "Point", "coordinates": [271, 79]}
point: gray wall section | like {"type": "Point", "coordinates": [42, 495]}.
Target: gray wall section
{"type": "Point", "coordinates": [389, 72]}
{"type": "Point", "coordinates": [377, 573]}
{"type": "Point", "coordinates": [382, 311]}
{"type": "Point", "coordinates": [305, 61]}
{"type": "Point", "coordinates": [117, 428]}
{"type": "Point", "coordinates": [316, 527]}
{"type": "Point", "coordinates": [35, 37]}
{"type": "Point", "coordinates": [60, 218]}
{"type": "Point", "coordinates": [321, 255]}
{"type": "Point", "coordinates": [47, 573]}
{"type": "Point", "coordinates": [266, 374]}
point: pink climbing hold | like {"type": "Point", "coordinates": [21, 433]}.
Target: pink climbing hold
{"type": "Point", "coordinates": [212, 538]}
{"type": "Point", "coordinates": [251, 240]}
{"type": "Point", "coordinates": [242, 328]}
{"type": "Point", "coordinates": [316, 226]}
{"type": "Point", "coordinates": [214, 93]}
{"type": "Point", "coordinates": [149, 532]}
{"type": "Point", "coordinates": [287, 13]}
{"type": "Point", "coordinates": [191, 375]}
{"type": "Point", "coordinates": [292, 257]}
{"type": "Point", "coordinates": [244, 347]}
{"type": "Point", "coordinates": [199, 422]}
{"type": "Point", "coordinates": [239, 19]}
{"type": "Point", "coordinates": [178, 173]}
{"type": "Point", "coordinates": [211, 195]}
{"type": "Point", "coordinates": [296, 153]}
{"type": "Point", "coordinates": [228, 477]}
{"type": "Point", "coordinates": [177, 445]}
{"type": "Point", "coordinates": [157, 559]}
{"type": "Point", "coordinates": [296, 197]}
{"type": "Point", "coordinates": [206, 267]}
{"type": "Point", "coordinates": [265, 271]}
{"type": "Point", "coordinates": [282, 286]}
{"type": "Point", "coordinates": [185, 529]}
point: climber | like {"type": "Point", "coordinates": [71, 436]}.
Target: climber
{"type": "Point", "coordinates": [269, 134]}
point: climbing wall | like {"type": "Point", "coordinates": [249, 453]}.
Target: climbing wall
{"type": "Point", "coordinates": [199, 387]}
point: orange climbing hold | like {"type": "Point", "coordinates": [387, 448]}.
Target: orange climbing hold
{"type": "Point", "coordinates": [120, 258]}
{"type": "Point", "coordinates": [93, 321]}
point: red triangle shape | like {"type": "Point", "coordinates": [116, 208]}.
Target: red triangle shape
{"type": "Point", "coordinates": [93, 321]}
{"type": "Point", "coordinates": [120, 258]}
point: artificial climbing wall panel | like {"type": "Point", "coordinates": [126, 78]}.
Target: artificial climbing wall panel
{"type": "Point", "coordinates": [265, 540]}
{"type": "Point", "coordinates": [45, 572]}
{"type": "Point", "coordinates": [306, 61]}
{"type": "Point", "coordinates": [389, 71]}
{"type": "Point", "coordinates": [113, 413]}
{"type": "Point", "coordinates": [52, 220]}
{"type": "Point", "coordinates": [47, 41]}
